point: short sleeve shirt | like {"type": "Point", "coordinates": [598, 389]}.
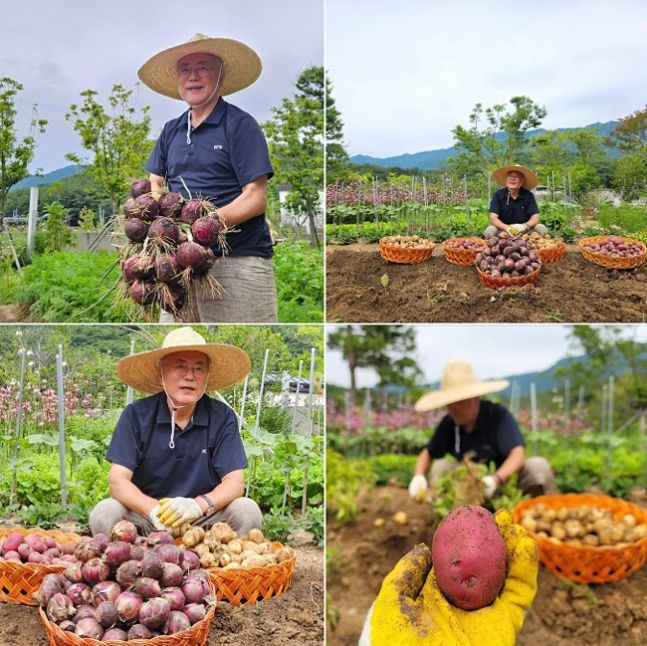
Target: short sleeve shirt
{"type": "Point", "coordinates": [225, 152]}
{"type": "Point", "coordinates": [495, 434]}
{"type": "Point", "coordinates": [208, 448]}
{"type": "Point", "coordinates": [511, 211]}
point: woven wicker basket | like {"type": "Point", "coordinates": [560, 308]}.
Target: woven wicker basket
{"type": "Point", "coordinates": [461, 256]}
{"type": "Point", "coordinates": [582, 563]}
{"type": "Point", "coordinates": [19, 581]}
{"type": "Point", "coordinates": [242, 586]}
{"type": "Point", "coordinates": [612, 262]}
{"type": "Point", "coordinates": [495, 282]}
{"type": "Point", "coordinates": [552, 254]}
{"type": "Point", "coordinates": [395, 253]}
{"type": "Point", "coordinates": [194, 636]}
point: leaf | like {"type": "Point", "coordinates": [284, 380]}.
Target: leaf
{"type": "Point", "coordinates": [384, 280]}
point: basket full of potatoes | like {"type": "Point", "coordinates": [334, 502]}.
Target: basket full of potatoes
{"type": "Point", "coordinates": [244, 569]}
{"type": "Point", "coordinates": [549, 249]}
{"type": "Point", "coordinates": [586, 538]}
{"type": "Point", "coordinates": [407, 250]}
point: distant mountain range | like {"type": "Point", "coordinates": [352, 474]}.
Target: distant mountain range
{"type": "Point", "coordinates": [430, 159]}
{"type": "Point", "coordinates": [48, 178]}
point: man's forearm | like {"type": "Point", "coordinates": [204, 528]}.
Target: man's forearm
{"type": "Point", "coordinates": [494, 220]}
{"type": "Point", "coordinates": [222, 494]}
{"type": "Point", "coordinates": [131, 496]}
{"type": "Point", "coordinates": [534, 221]}
{"type": "Point", "coordinates": [422, 463]}
{"type": "Point", "coordinates": [511, 464]}
{"type": "Point", "coordinates": [245, 207]}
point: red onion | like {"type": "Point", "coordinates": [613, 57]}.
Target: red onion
{"type": "Point", "coordinates": [154, 612]}
{"type": "Point", "coordinates": [152, 565]}
{"type": "Point", "coordinates": [60, 607]}
{"type": "Point", "coordinates": [169, 552]}
{"type": "Point", "coordinates": [124, 530]}
{"type": "Point", "coordinates": [83, 612]}
{"type": "Point", "coordinates": [139, 631]}
{"type": "Point", "coordinates": [170, 205]}
{"type": "Point", "coordinates": [195, 612]}
{"type": "Point", "coordinates": [73, 572]}
{"type": "Point", "coordinates": [105, 591]}
{"type": "Point", "coordinates": [106, 614]}
{"type": "Point", "coordinates": [115, 633]}
{"type": "Point", "coordinates": [192, 210]}
{"type": "Point", "coordinates": [189, 560]}
{"type": "Point", "coordinates": [52, 584]}
{"type": "Point", "coordinates": [128, 572]}
{"type": "Point", "coordinates": [206, 230]}
{"type": "Point", "coordinates": [80, 594]}
{"type": "Point", "coordinates": [177, 622]}
{"type": "Point", "coordinates": [136, 552]}
{"type": "Point", "coordinates": [116, 553]}
{"type": "Point", "coordinates": [195, 589]}
{"type": "Point", "coordinates": [68, 625]}
{"type": "Point", "coordinates": [172, 575]}
{"type": "Point", "coordinates": [95, 570]}
{"type": "Point", "coordinates": [175, 597]}
{"type": "Point", "coordinates": [89, 628]}
{"type": "Point", "coordinates": [86, 550]}
{"type": "Point", "coordinates": [139, 187]}
{"type": "Point", "coordinates": [128, 605]}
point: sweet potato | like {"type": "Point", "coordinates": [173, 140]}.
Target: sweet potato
{"type": "Point", "coordinates": [469, 557]}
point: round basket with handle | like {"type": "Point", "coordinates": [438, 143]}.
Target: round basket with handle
{"type": "Point", "coordinates": [584, 563]}
{"type": "Point", "coordinates": [239, 586]}
{"type": "Point", "coordinates": [19, 581]}
{"type": "Point", "coordinates": [495, 282]}
{"type": "Point", "coordinates": [459, 255]}
{"type": "Point", "coordinates": [405, 255]}
{"type": "Point", "coordinates": [612, 262]}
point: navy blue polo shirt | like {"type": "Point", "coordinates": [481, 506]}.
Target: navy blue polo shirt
{"type": "Point", "coordinates": [227, 151]}
{"type": "Point", "coordinates": [206, 450]}
{"type": "Point", "coordinates": [511, 211]}
{"type": "Point", "coordinates": [495, 434]}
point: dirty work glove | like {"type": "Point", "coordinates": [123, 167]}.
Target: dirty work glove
{"type": "Point", "coordinates": [154, 518]}
{"type": "Point", "coordinates": [410, 609]}
{"type": "Point", "coordinates": [176, 512]}
{"type": "Point", "coordinates": [490, 485]}
{"type": "Point", "coordinates": [418, 488]}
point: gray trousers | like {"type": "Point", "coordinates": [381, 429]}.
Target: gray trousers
{"type": "Point", "coordinates": [535, 477]}
{"type": "Point", "coordinates": [242, 514]}
{"type": "Point", "coordinates": [248, 294]}
{"type": "Point", "coordinates": [491, 231]}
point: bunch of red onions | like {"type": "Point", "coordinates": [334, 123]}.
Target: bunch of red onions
{"type": "Point", "coordinates": [130, 587]}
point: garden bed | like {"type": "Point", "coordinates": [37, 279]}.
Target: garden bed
{"type": "Point", "coordinates": [571, 290]}
{"type": "Point", "coordinates": [561, 614]}
{"type": "Point", "coordinates": [295, 617]}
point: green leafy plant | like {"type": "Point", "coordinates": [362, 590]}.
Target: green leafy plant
{"type": "Point", "coordinates": [345, 479]}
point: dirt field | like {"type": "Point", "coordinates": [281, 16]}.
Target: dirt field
{"type": "Point", "coordinates": [561, 615]}
{"type": "Point", "coordinates": [572, 290]}
{"type": "Point", "coordinates": [295, 617]}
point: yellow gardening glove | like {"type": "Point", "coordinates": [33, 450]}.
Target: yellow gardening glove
{"type": "Point", "coordinates": [411, 610]}
{"type": "Point", "coordinates": [178, 511]}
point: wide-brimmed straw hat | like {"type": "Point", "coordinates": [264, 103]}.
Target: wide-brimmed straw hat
{"type": "Point", "coordinates": [227, 363]}
{"type": "Point", "coordinates": [530, 178]}
{"type": "Point", "coordinates": [241, 64]}
{"type": "Point", "coordinates": [458, 382]}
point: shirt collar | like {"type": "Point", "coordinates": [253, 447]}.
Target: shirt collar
{"type": "Point", "coordinates": [215, 116]}
{"type": "Point", "coordinates": [200, 414]}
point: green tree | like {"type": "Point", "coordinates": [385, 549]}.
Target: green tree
{"type": "Point", "coordinates": [15, 154]}
{"type": "Point", "coordinates": [336, 155]}
{"type": "Point", "coordinates": [56, 233]}
{"type": "Point", "coordinates": [296, 141]}
{"type": "Point", "coordinates": [117, 140]}
{"type": "Point", "coordinates": [496, 136]}
{"type": "Point", "coordinates": [388, 349]}
{"type": "Point", "coordinates": [630, 136]}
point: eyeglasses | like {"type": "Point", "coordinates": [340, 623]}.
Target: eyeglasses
{"type": "Point", "coordinates": [186, 71]}
{"type": "Point", "coordinates": [180, 370]}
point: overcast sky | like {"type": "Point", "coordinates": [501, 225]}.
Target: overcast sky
{"type": "Point", "coordinates": [58, 49]}
{"type": "Point", "coordinates": [406, 73]}
{"type": "Point", "coordinates": [495, 351]}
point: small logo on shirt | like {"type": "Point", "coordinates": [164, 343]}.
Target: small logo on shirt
{"type": "Point", "coordinates": [204, 450]}
{"type": "Point", "coordinates": [217, 147]}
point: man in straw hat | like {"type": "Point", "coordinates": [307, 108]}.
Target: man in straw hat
{"type": "Point", "coordinates": [218, 152]}
{"type": "Point", "coordinates": [176, 456]}
{"type": "Point", "coordinates": [477, 425]}
{"type": "Point", "coordinates": [513, 208]}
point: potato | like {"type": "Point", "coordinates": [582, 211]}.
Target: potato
{"type": "Point", "coordinates": [255, 560]}
{"type": "Point", "coordinates": [574, 528]}
{"type": "Point", "coordinates": [542, 534]}
{"type": "Point", "coordinates": [235, 558]}
{"type": "Point", "coordinates": [469, 557]}
{"type": "Point", "coordinates": [235, 546]}
{"type": "Point", "coordinates": [591, 539]}
{"type": "Point", "coordinates": [225, 559]}
{"type": "Point", "coordinates": [200, 549]}
{"type": "Point", "coordinates": [255, 535]}
{"type": "Point", "coordinates": [284, 553]}
{"type": "Point", "coordinates": [639, 531]}
{"type": "Point", "coordinates": [400, 518]}
{"type": "Point", "coordinates": [247, 553]}
{"type": "Point", "coordinates": [610, 535]}
{"type": "Point", "coordinates": [557, 531]}
{"type": "Point", "coordinates": [629, 520]}
{"type": "Point", "coordinates": [193, 536]}
{"type": "Point", "coordinates": [529, 523]}
{"type": "Point", "coordinates": [232, 566]}
{"type": "Point", "coordinates": [212, 542]}
{"type": "Point", "coordinates": [562, 513]}
{"type": "Point", "coordinates": [208, 560]}
{"type": "Point", "coordinates": [250, 546]}
{"type": "Point", "coordinates": [549, 515]}
{"type": "Point", "coordinates": [223, 532]}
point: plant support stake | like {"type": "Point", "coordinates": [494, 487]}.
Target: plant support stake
{"type": "Point", "coordinates": [14, 449]}
{"type": "Point", "coordinates": [533, 416]}
{"type": "Point", "coordinates": [242, 403]}
{"type": "Point", "coordinates": [304, 499]}
{"type": "Point", "coordinates": [259, 406]}
{"type": "Point", "coordinates": [61, 424]}
{"type": "Point", "coordinates": [130, 393]}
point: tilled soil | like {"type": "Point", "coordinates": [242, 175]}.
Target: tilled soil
{"type": "Point", "coordinates": [295, 617]}
{"type": "Point", "coordinates": [561, 614]}
{"type": "Point", "coordinates": [572, 290]}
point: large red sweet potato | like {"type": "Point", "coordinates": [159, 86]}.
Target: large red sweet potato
{"type": "Point", "coordinates": [469, 557]}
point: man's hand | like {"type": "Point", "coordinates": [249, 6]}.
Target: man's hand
{"type": "Point", "coordinates": [418, 487]}
{"type": "Point", "coordinates": [517, 229]}
{"type": "Point", "coordinates": [411, 610]}
{"type": "Point", "coordinates": [490, 485]}
{"type": "Point", "coordinates": [179, 511]}
{"type": "Point", "coordinates": [154, 518]}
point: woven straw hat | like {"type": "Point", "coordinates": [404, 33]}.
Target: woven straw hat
{"type": "Point", "coordinates": [241, 64]}
{"type": "Point", "coordinates": [529, 182]}
{"type": "Point", "coordinates": [227, 363]}
{"type": "Point", "coordinates": [458, 382]}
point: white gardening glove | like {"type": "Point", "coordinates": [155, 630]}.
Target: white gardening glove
{"type": "Point", "coordinates": [418, 487]}
{"type": "Point", "coordinates": [522, 228]}
{"type": "Point", "coordinates": [490, 485]}
{"type": "Point", "coordinates": [179, 511]}
{"type": "Point", "coordinates": [154, 518]}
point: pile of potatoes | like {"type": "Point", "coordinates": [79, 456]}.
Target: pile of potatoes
{"type": "Point", "coordinates": [221, 548]}
{"type": "Point", "coordinates": [541, 242]}
{"type": "Point", "coordinates": [582, 526]}
{"type": "Point", "coordinates": [408, 242]}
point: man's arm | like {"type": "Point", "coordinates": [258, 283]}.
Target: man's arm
{"type": "Point", "coordinates": [250, 203]}
{"type": "Point", "coordinates": [128, 494]}
{"type": "Point", "coordinates": [231, 487]}
{"type": "Point", "coordinates": [534, 221]}
{"type": "Point", "coordinates": [513, 463]}
{"type": "Point", "coordinates": [494, 220]}
{"type": "Point", "coordinates": [422, 463]}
